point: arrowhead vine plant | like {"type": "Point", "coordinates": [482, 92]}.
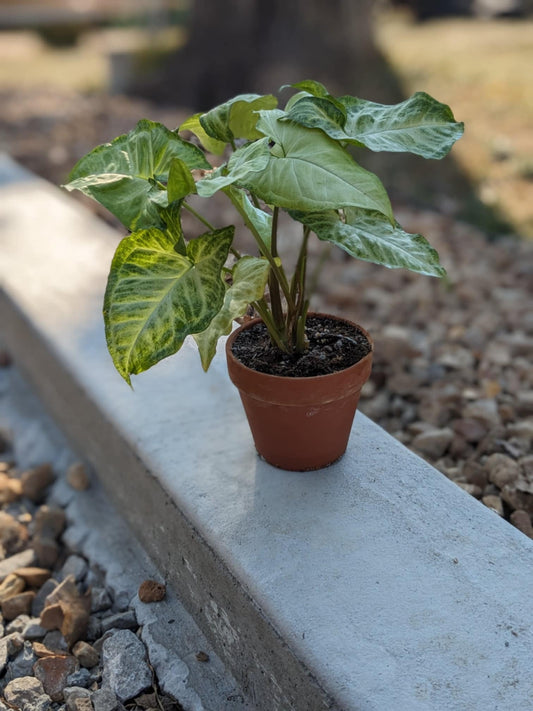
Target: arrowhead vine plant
{"type": "Point", "coordinates": [163, 287]}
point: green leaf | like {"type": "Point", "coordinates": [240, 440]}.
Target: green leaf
{"type": "Point", "coordinates": [125, 175]}
{"type": "Point", "coordinates": [193, 125]}
{"type": "Point", "coordinates": [313, 88]}
{"type": "Point", "coordinates": [313, 112]}
{"type": "Point", "coordinates": [180, 181]}
{"type": "Point", "coordinates": [309, 171]}
{"type": "Point", "coordinates": [367, 235]}
{"type": "Point", "coordinates": [236, 118]}
{"type": "Point", "coordinates": [250, 276]}
{"type": "Point", "coordinates": [244, 116]}
{"type": "Point", "coordinates": [294, 99]}
{"type": "Point", "coordinates": [250, 158]}
{"type": "Point", "coordinates": [256, 220]}
{"type": "Point", "coordinates": [310, 86]}
{"type": "Point", "coordinates": [419, 125]}
{"type": "Point", "coordinates": [171, 217]}
{"type": "Point", "coordinates": [155, 297]}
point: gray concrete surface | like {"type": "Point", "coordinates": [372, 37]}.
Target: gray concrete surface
{"type": "Point", "coordinates": [376, 584]}
{"type": "Point", "coordinates": [97, 530]}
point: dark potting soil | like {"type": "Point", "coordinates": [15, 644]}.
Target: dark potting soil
{"type": "Point", "coordinates": [333, 345]}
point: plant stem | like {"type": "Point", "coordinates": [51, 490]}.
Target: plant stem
{"type": "Point", "coordinates": [198, 216]}
{"type": "Point", "coordinates": [273, 282]}
{"type": "Point", "coordinates": [296, 317]}
{"type": "Point", "coordinates": [277, 269]}
{"type": "Point", "coordinates": [262, 309]}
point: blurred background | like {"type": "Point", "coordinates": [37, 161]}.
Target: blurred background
{"type": "Point", "coordinates": [453, 367]}
{"type": "Point", "coordinates": [75, 73]}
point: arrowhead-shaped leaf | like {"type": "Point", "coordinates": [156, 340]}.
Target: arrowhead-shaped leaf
{"type": "Point", "coordinates": [156, 297]}
{"type": "Point", "coordinates": [419, 125]}
{"type": "Point", "coordinates": [237, 117]}
{"type": "Point", "coordinates": [250, 276]}
{"type": "Point", "coordinates": [124, 175]}
{"type": "Point", "coordinates": [317, 174]}
{"type": "Point", "coordinates": [368, 235]}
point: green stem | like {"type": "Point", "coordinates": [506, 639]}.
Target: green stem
{"type": "Point", "coordinates": [273, 282]}
{"type": "Point", "coordinates": [278, 270]}
{"type": "Point", "coordinates": [302, 257]}
{"type": "Point", "coordinates": [262, 309]}
{"type": "Point", "coordinates": [198, 216]}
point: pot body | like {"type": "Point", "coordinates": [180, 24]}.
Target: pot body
{"type": "Point", "coordinates": [299, 424]}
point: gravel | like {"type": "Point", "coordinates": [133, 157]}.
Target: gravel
{"type": "Point", "coordinates": [78, 650]}
{"type": "Point", "coordinates": [453, 367]}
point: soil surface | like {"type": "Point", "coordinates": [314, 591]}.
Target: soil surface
{"type": "Point", "coordinates": [333, 345]}
{"type": "Point", "coordinates": [453, 359]}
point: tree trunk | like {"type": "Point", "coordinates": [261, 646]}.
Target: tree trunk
{"type": "Point", "coordinates": [238, 46]}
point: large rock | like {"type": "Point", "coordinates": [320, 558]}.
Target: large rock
{"type": "Point", "coordinates": [125, 665]}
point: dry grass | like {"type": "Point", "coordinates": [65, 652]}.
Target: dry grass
{"type": "Point", "coordinates": [483, 70]}
{"type": "Point", "coordinates": [26, 61]}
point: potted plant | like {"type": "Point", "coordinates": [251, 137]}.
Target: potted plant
{"type": "Point", "coordinates": [163, 287]}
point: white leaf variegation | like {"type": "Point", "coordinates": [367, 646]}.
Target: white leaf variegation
{"type": "Point", "coordinates": [317, 174]}
{"type": "Point", "coordinates": [163, 287]}
{"type": "Point", "coordinates": [156, 297]}
{"type": "Point", "coordinates": [419, 125]}
{"type": "Point", "coordinates": [126, 176]}
{"type": "Point", "coordinates": [369, 236]}
{"type": "Point", "coordinates": [250, 276]}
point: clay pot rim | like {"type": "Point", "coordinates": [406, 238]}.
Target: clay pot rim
{"type": "Point", "coordinates": [298, 378]}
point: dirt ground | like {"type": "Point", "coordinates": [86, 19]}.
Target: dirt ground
{"type": "Point", "coordinates": [482, 69]}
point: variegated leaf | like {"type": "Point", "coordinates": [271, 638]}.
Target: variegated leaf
{"type": "Point", "coordinates": [310, 171]}
{"type": "Point", "coordinates": [368, 235]}
{"type": "Point", "coordinates": [419, 125]}
{"type": "Point", "coordinates": [129, 175]}
{"type": "Point", "coordinates": [155, 296]}
{"type": "Point", "coordinates": [236, 118]}
{"type": "Point", "coordinates": [250, 276]}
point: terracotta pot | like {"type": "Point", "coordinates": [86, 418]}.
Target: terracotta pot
{"type": "Point", "coordinates": [299, 424]}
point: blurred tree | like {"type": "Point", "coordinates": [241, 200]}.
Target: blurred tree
{"type": "Point", "coordinates": [237, 46]}
{"type": "Point", "coordinates": [241, 46]}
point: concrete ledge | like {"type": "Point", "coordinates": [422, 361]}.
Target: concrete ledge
{"type": "Point", "coordinates": [376, 584]}
{"type": "Point", "coordinates": [96, 529]}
